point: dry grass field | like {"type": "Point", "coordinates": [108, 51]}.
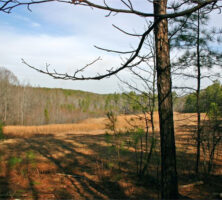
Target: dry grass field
{"type": "Point", "coordinates": [74, 161]}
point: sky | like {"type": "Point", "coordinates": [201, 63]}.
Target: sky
{"type": "Point", "coordinates": [64, 36]}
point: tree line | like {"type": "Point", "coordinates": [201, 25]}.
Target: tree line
{"type": "Point", "coordinates": [209, 97]}
{"type": "Point", "coordinates": [27, 105]}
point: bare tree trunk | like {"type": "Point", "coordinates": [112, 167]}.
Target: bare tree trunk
{"type": "Point", "coordinates": [22, 105]}
{"type": "Point", "coordinates": [169, 187]}
{"type": "Point", "coordinates": [154, 89]}
{"type": "Point", "coordinates": [5, 110]}
{"type": "Point", "coordinates": [198, 94]}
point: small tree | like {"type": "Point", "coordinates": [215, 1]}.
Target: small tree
{"type": "Point", "coordinates": [111, 125]}
{"type": "Point", "coordinates": [212, 127]}
{"type": "Point", "coordinates": [143, 100]}
{"type": "Point", "coordinates": [1, 130]}
{"type": "Point", "coordinates": [112, 120]}
{"type": "Point", "coordinates": [211, 104]}
{"type": "Point", "coordinates": [195, 38]}
{"type": "Point", "coordinates": [46, 115]}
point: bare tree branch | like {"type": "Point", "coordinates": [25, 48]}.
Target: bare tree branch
{"type": "Point", "coordinates": [114, 51]}
{"type": "Point", "coordinates": [8, 5]}
{"type": "Point", "coordinates": [128, 63]}
{"type": "Point", "coordinates": [127, 33]}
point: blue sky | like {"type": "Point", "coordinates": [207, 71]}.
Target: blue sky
{"type": "Point", "coordinates": [63, 36]}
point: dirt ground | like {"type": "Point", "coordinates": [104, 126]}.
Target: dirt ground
{"type": "Point", "coordinates": [74, 161]}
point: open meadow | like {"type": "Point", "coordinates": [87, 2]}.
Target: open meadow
{"type": "Point", "coordinates": [79, 161]}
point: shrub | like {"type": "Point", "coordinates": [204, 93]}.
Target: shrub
{"type": "Point", "coordinates": [1, 130]}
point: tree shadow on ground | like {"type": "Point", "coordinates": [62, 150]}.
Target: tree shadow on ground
{"type": "Point", "coordinates": [71, 166]}
{"type": "Point", "coordinates": [4, 188]}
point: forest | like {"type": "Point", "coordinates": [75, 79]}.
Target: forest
{"type": "Point", "coordinates": [27, 105]}
{"type": "Point", "coordinates": [160, 138]}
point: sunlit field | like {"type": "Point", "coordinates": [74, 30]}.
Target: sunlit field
{"type": "Point", "coordinates": [76, 161]}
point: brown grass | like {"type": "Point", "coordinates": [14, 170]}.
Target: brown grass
{"type": "Point", "coordinates": [74, 161]}
{"type": "Point", "coordinates": [93, 124]}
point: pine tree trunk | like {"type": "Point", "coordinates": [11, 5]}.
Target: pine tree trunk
{"type": "Point", "coordinates": [169, 187]}
{"type": "Point", "coordinates": [198, 95]}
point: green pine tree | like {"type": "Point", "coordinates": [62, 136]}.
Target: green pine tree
{"type": "Point", "coordinates": [192, 35]}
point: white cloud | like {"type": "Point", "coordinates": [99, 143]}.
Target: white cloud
{"type": "Point", "coordinates": [79, 29]}
{"type": "Point", "coordinates": [65, 54]}
{"type": "Point", "coordinates": [35, 24]}
{"type": "Point", "coordinates": [27, 20]}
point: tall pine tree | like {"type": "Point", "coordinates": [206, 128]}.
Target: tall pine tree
{"type": "Point", "coordinates": [192, 35]}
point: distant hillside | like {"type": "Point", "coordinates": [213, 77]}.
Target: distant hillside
{"type": "Point", "coordinates": [26, 105]}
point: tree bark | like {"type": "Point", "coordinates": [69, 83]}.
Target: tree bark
{"type": "Point", "coordinates": [198, 95]}
{"type": "Point", "coordinates": [169, 186]}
